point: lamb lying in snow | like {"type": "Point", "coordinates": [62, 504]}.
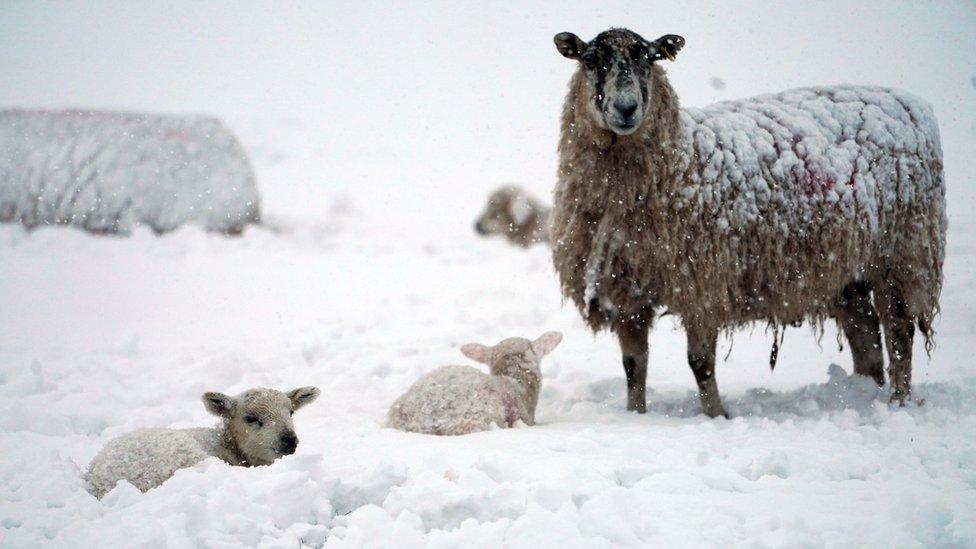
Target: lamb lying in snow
{"type": "Point", "coordinates": [256, 429]}
{"type": "Point", "coordinates": [457, 400]}
{"type": "Point", "coordinates": [514, 214]}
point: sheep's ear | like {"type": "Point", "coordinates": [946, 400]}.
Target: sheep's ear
{"type": "Point", "coordinates": [219, 404]}
{"type": "Point", "coordinates": [666, 47]}
{"type": "Point", "coordinates": [303, 395]}
{"type": "Point", "coordinates": [477, 352]}
{"type": "Point", "coordinates": [547, 342]}
{"type": "Point", "coordinates": [569, 45]}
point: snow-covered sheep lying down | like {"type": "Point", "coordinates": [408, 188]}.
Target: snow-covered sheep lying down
{"type": "Point", "coordinates": [513, 213]}
{"type": "Point", "coordinates": [255, 429]}
{"type": "Point", "coordinates": [457, 400]}
{"type": "Point", "coordinates": [108, 172]}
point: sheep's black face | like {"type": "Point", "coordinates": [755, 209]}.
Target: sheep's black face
{"type": "Point", "coordinates": [618, 67]}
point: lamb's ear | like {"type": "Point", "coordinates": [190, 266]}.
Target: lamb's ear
{"type": "Point", "coordinates": [303, 395]}
{"type": "Point", "coordinates": [547, 342]}
{"type": "Point", "coordinates": [569, 45]}
{"type": "Point", "coordinates": [219, 404]}
{"type": "Point", "coordinates": [521, 209]}
{"type": "Point", "coordinates": [477, 352]}
{"type": "Point", "coordinates": [666, 47]}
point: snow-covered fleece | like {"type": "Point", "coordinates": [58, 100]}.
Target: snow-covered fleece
{"type": "Point", "coordinates": [108, 172]}
{"type": "Point", "coordinates": [758, 209]}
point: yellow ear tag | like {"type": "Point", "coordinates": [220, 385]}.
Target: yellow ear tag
{"type": "Point", "coordinates": [669, 55]}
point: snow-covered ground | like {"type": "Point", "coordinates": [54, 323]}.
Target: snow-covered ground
{"type": "Point", "coordinates": [376, 132]}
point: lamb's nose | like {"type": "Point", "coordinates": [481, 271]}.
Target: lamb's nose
{"type": "Point", "coordinates": [625, 108]}
{"type": "Point", "coordinates": [289, 442]}
{"type": "Point", "coordinates": [479, 228]}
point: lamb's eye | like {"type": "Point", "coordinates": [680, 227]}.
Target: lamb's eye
{"type": "Point", "coordinates": [252, 420]}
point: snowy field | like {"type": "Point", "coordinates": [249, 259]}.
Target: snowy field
{"type": "Point", "coordinates": [376, 131]}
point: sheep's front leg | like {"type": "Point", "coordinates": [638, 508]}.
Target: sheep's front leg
{"type": "Point", "coordinates": [632, 335]}
{"type": "Point", "coordinates": [701, 359]}
{"type": "Point", "coordinates": [859, 321]}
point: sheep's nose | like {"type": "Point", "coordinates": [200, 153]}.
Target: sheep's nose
{"type": "Point", "coordinates": [625, 108]}
{"type": "Point", "coordinates": [479, 228]}
{"type": "Point", "coordinates": [288, 442]}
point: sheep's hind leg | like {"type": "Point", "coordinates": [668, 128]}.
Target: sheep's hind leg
{"type": "Point", "coordinates": [632, 336]}
{"type": "Point", "coordinates": [899, 331]}
{"type": "Point", "coordinates": [859, 320]}
{"type": "Point", "coordinates": [701, 359]}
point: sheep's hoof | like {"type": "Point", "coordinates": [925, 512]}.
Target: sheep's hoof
{"type": "Point", "coordinates": [639, 407]}
{"type": "Point", "coordinates": [712, 405]}
{"type": "Point", "coordinates": [904, 397]}
{"type": "Point", "coordinates": [714, 413]}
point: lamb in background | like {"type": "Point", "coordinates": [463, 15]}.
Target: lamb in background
{"type": "Point", "coordinates": [514, 214]}
{"type": "Point", "coordinates": [457, 400]}
{"type": "Point", "coordinates": [256, 429]}
{"type": "Point", "coordinates": [779, 208]}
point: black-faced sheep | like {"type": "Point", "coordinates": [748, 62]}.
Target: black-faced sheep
{"type": "Point", "coordinates": [457, 400]}
{"type": "Point", "coordinates": [514, 214]}
{"type": "Point", "coordinates": [780, 208]}
{"type": "Point", "coordinates": [256, 429]}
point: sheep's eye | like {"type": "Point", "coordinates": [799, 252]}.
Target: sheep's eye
{"type": "Point", "coordinates": [251, 420]}
{"type": "Point", "coordinates": [291, 412]}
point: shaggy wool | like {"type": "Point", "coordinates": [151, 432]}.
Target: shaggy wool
{"type": "Point", "coordinates": [757, 209]}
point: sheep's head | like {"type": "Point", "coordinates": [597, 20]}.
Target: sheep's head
{"type": "Point", "coordinates": [259, 421]}
{"type": "Point", "coordinates": [508, 209]}
{"type": "Point", "coordinates": [618, 66]}
{"type": "Point", "coordinates": [515, 357]}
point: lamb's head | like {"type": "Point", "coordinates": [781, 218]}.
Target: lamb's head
{"type": "Point", "coordinates": [508, 208]}
{"type": "Point", "coordinates": [515, 357]}
{"type": "Point", "coordinates": [617, 67]}
{"type": "Point", "coordinates": [258, 421]}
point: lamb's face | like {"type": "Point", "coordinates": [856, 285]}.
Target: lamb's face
{"type": "Point", "coordinates": [514, 357]}
{"type": "Point", "coordinates": [259, 420]}
{"type": "Point", "coordinates": [617, 66]}
{"type": "Point", "coordinates": [507, 209]}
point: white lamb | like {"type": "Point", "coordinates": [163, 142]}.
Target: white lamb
{"type": "Point", "coordinates": [256, 429]}
{"type": "Point", "coordinates": [457, 400]}
{"type": "Point", "coordinates": [514, 214]}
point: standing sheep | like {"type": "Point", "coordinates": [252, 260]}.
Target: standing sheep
{"type": "Point", "coordinates": [457, 400]}
{"type": "Point", "coordinates": [256, 429]}
{"type": "Point", "coordinates": [780, 208]}
{"type": "Point", "coordinates": [512, 213]}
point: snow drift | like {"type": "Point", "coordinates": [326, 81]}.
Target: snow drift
{"type": "Point", "coordinates": [107, 172]}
